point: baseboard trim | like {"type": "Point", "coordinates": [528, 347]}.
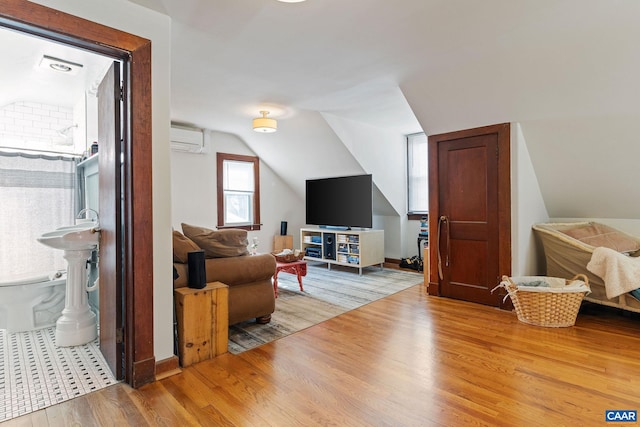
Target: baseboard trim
{"type": "Point", "coordinates": [167, 367]}
{"type": "Point", "coordinates": [143, 372]}
{"type": "Point", "coordinates": [392, 261]}
{"type": "Point", "coordinates": [433, 288]}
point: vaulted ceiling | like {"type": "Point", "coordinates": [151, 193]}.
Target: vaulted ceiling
{"type": "Point", "coordinates": [566, 70]}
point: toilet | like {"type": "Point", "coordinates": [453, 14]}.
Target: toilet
{"type": "Point", "coordinates": [32, 303]}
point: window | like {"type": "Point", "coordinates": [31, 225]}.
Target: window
{"type": "Point", "coordinates": [417, 175]}
{"type": "Point", "coordinates": [238, 191]}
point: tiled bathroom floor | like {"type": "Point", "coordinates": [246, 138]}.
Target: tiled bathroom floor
{"type": "Point", "coordinates": [34, 373]}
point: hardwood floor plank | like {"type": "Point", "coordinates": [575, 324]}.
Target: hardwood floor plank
{"type": "Point", "coordinates": [35, 419]}
{"type": "Point", "coordinates": [114, 405]}
{"type": "Point", "coordinates": [234, 397]}
{"type": "Point", "coordinates": [196, 398]}
{"type": "Point", "coordinates": [408, 360]}
{"type": "Point", "coordinates": [165, 408]}
{"type": "Point", "coordinates": [74, 412]}
{"type": "Point", "coordinates": [271, 398]}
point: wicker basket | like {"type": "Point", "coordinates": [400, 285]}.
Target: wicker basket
{"type": "Point", "coordinates": [288, 257]}
{"type": "Point", "coordinates": [551, 307]}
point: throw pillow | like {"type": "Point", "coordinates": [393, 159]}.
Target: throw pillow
{"type": "Point", "coordinates": [595, 234]}
{"type": "Point", "coordinates": [182, 245]}
{"type": "Point", "coordinates": [225, 243]}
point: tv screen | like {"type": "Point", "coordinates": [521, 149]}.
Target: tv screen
{"type": "Point", "coordinates": [340, 202]}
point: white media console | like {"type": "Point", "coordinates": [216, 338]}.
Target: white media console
{"type": "Point", "coordinates": [351, 248]}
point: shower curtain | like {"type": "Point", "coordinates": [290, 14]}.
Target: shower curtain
{"type": "Point", "coordinates": [38, 194]}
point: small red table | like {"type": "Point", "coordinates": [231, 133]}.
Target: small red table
{"type": "Point", "coordinates": [299, 268]}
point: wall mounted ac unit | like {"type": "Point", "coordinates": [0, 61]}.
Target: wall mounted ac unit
{"type": "Point", "coordinates": [187, 140]}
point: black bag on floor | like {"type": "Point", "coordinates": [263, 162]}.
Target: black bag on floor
{"type": "Point", "coordinates": [414, 263]}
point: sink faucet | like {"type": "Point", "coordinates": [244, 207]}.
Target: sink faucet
{"type": "Point", "coordinates": [85, 212]}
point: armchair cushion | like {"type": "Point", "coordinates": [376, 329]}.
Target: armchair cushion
{"type": "Point", "coordinates": [182, 245]}
{"type": "Point", "coordinates": [218, 243]}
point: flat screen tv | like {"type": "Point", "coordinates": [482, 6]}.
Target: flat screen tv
{"type": "Point", "coordinates": [343, 202]}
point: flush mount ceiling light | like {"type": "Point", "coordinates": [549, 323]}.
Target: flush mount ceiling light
{"type": "Point", "coordinates": [264, 124]}
{"type": "Point", "coordinates": [60, 65]}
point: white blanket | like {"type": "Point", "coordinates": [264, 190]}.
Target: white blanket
{"type": "Point", "coordinates": [621, 273]}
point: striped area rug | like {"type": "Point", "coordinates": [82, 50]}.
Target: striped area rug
{"type": "Point", "coordinates": [327, 293]}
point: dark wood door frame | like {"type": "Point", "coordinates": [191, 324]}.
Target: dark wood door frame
{"type": "Point", "coordinates": [135, 52]}
{"type": "Point", "coordinates": [504, 199]}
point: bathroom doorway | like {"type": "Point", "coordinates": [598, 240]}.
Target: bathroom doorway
{"type": "Point", "coordinates": [49, 110]}
{"type": "Point", "coordinates": [134, 162]}
{"type": "Point", "coordinates": [48, 118]}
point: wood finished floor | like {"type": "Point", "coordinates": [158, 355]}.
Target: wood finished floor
{"type": "Point", "coordinates": [407, 360]}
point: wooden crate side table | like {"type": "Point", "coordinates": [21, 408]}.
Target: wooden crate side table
{"type": "Point", "coordinates": [203, 322]}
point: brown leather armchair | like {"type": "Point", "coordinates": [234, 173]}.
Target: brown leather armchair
{"type": "Point", "coordinates": [227, 260]}
{"type": "Point", "coordinates": [249, 279]}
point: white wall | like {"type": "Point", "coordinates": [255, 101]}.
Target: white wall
{"type": "Point", "coordinates": [91, 124]}
{"type": "Point", "coordinates": [586, 166]}
{"type": "Point", "coordinates": [319, 145]}
{"type": "Point", "coordinates": [577, 106]}
{"type": "Point", "coordinates": [33, 125]}
{"type": "Point", "coordinates": [412, 229]}
{"type": "Point", "coordinates": [383, 153]}
{"type": "Point", "coordinates": [194, 190]}
{"type": "Point", "coordinates": [193, 187]}
{"type": "Point", "coordinates": [132, 18]}
{"type": "Point", "coordinates": [527, 208]}
{"type": "Point", "coordinates": [380, 152]}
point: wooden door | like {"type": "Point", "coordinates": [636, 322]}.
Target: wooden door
{"type": "Point", "coordinates": [110, 257]}
{"type": "Point", "coordinates": [469, 211]}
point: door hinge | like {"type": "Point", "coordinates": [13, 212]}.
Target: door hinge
{"type": "Point", "coordinates": [121, 93]}
{"type": "Point", "coordinates": [119, 335]}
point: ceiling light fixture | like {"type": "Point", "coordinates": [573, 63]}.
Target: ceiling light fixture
{"type": "Point", "coordinates": [264, 124]}
{"type": "Point", "coordinates": [60, 65]}
{"type": "Point", "coordinates": [291, 1]}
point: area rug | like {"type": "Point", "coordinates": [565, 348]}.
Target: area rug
{"type": "Point", "coordinates": [35, 374]}
{"type": "Point", "coordinates": [327, 293]}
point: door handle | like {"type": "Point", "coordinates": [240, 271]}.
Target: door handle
{"type": "Point", "coordinates": [443, 220]}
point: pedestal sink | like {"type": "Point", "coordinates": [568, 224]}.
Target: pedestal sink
{"type": "Point", "coordinates": [78, 324]}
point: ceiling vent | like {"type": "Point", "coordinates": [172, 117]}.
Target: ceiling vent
{"type": "Point", "coordinates": [187, 140]}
